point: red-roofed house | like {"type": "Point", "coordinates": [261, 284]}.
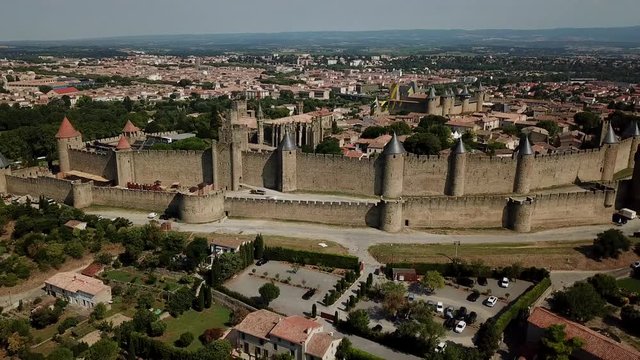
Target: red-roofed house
{"type": "Point", "coordinates": [596, 345]}
{"type": "Point", "coordinates": [263, 334]}
{"type": "Point", "coordinates": [78, 289]}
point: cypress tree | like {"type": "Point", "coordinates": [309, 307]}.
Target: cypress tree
{"type": "Point", "coordinates": [314, 310]}
{"type": "Point", "coordinates": [258, 247]}
{"type": "Point", "coordinates": [207, 297]}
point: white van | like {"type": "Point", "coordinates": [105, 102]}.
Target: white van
{"type": "Point", "coordinates": [628, 213]}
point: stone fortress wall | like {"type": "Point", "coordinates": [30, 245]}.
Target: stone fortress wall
{"type": "Point", "coordinates": [404, 190]}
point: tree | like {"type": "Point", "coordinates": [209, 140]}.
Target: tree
{"type": "Point", "coordinates": [605, 285]}
{"type": "Point", "coordinates": [314, 310]}
{"type": "Point", "coordinates": [258, 247]}
{"type": "Point", "coordinates": [99, 312]}
{"type": "Point", "coordinates": [432, 280]}
{"type": "Point", "coordinates": [268, 293]}
{"type": "Point", "coordinates": [430, 120]}
{"type": "Point", "coordinates": [44, 88]}
{"type": "Point", "coordinates": [283, 356]}
{"type": "Point", "coordinates": [198, 304]}
{"type": "Point", "coordinates": [399, 128]}
{"type": "Point", "coordinates": [630, 316]}
{"type": "Point", "coordinates": [580, 302]}
{"type": "Point", "coordinates": [185, 339]}
{"type": "Point", "coordinates": [373, 132]}
{"type": "Point", "coordinates": [329, 146]}
{"type": "Point", "coordinates": [549, 125]}
{"type": "Point", "coordinates": [393, 297]}
{"type": "Point", "coordinates": [344, 349]}
{"type": "Point", "coordinates": [210, 335]}
{"type": "Point", "coordinates": [359, 321]}
{"type": "Point", "coordinates": [195, 252]}
{"type": "Point", "coordinates": [61, 353]}
{"type": "Point", "coordinates": [185, 82]}
{"type": "Point", "coordinates": [180, 301]}
{"type": "Point", "coordinates": [610, 244]}
{"type": "Point", "coordinates": [207, 296]}
{"type": "Point", "coordinates": [423, 144]}
{"type": "Point", "coordinates": [588, 121]}
{"type": "Point", "coordinates": [157, 328]}
{"type": "Point", "coordinates": [145, 300]}
{"type": "Point", "coordinates": [487, 338]}
{"type": "Point", "coordinates": [555, 345]}
{"type": "Point", "coordinates": [104, 349]}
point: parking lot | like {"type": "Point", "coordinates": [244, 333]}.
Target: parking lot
{"type": "Point", "coordinates": [290, 300]}
{"type": "Point", "coordinates": [456, 297]}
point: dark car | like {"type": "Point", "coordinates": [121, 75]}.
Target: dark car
{"type": "Point", "coordinates": [465, 281]}
{"type": "Point", "coordinates": [474, 296]}
{"type": "Point", "coordinates": [461, 314]}
{"type": "Point", "coordinates": [261, 262]}
{"type": "Point", "coordinates": [636, 234]}
{"type": "Point", "coordinates": [482, 280]}
{"type": "Point", "coordinates": [471, 317]}
{"type": "Point", "coordinates": [308, 294]}
{"type": "Point", "coordinates": [377, 328]}
{"type": "Point", "coordinates": [449, 323]}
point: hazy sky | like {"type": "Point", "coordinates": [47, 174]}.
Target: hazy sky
{"type": "Point", "coordinates": [67, 19]}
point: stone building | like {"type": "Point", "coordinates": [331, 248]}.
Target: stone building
{"type": "Point", "coordinates": [449, 102]}
{"type": "Point", "coordinates": [78, 289]}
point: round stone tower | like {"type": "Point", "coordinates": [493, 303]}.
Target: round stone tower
{"type": "Point", "coordinates": [480, 97]}
{"type": "Point", "coordinates": [392, 179]}
{"type": "Point", "coordinates": [432, 102]}
{"type": "Point", "coordinates": [633, 132]}
{"type": "Point", "coordinates": [67, 138]}
{"type": "Point", "coordinates": [610, 144]}
{"type": "Point", "coordinates": [524, 168]}
{"type": "Point", "coordinates": [260, 123]}
{"type": "Point", "coordinates": [287, 177]}
{"type": "Point", "coordinates": [464, 97]}
{"type": "Point", "coordinates": [458, 169]}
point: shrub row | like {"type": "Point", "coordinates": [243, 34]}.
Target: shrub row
{"type": "Point", "coordinates": [147, 348]}
{"type": "Point", "coordinates": [339, 288]}
{"type": "Point", "coordinates": [312, 258]}
{"type": "Point", "coordinates": [456, 270]}
{"type": "Point", "coordinates": [522, 303]}
{"type": "Point", "coordinates": [357, 354]}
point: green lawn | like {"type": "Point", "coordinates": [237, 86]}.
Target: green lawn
{"type": "Point", "coordinates": [196, 323]}
{"type": "Point", "coordinates": [630, 284]}
{"type": "Point", "coordinates": [120, 275]}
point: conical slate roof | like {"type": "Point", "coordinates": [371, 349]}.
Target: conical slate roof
{"type": "Point", "coordinates": [393, 147]}
{"type": "Point", "coordinates": [287, 143]}
{"type": "Point", "coordinates": [432, 93]}
{"type": "Point", "coordinates": [66, 130]}
{"type": "Point", "coordinates": [123, 144]}
{"type": "Point", "coordinates": [611, 136]}
{"type": "Point", "coordinates": [632, 130]}
{"type": "Point", "coordinates": [480, 87]}
{"type": "Point", "coordinates": [4, 162]}
{"type": "Point", "coordinates": [459, 148]}
{"type": "Point", "coordinates": [525, 146]}
{"type": "Point", "coordinates": [465, 92]}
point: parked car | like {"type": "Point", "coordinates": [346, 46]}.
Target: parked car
{"type": "Point", "coordinates": [411, 297]}
{"type": "Point", "coordinates": [504, 282]}
{"type": "Point", "coordinates": [308, 294]}
{"type": "Point", "coordinates": [449, 324]}
{"type": "Point", "coordinates": [482, 280]}
{"type": "Point", "coordinates": [460, 327]}
{"type": "Point", "coordinates": [258, 192]}
{"type": "Point", "coordinates": [465, 281]}
{"type": "Point", "coordinates": [377, 328]}
{"type": "Point", "coordinates": [635, 265]}
{"type": "Point", "coordinates": [152, 215]}
{"type": "Point", "coordinates": [636, 234]}
{"type": "Point", "coordinates": [441, 346]}
{"type": "Point", "coordinates": [491, 301]}
{"type": "Point", "coordinates": [471, 317]}
{"type": "Point", "coordinates": [261, 262]}
{"type": "Point", "coordinates": [473, 297]}
{"type": "Point", "coordinates": [439, 307]}
{"type": "Point", "coordinates": [461, 313]}
{"type": "Point", "coordinates": [431, 304]}
{"type": "Point", "coordinates": [448, 312]}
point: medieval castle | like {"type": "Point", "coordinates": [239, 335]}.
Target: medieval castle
{"type": "Point", "coordinates": [396, 190]}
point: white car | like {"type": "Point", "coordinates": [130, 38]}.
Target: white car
{"type": "Point", "coordinates": [460, 327]}
{"type": "Point", "coordinates": [152, 215]}
{"type": "Point", "coordinates": [439, 307]}
{"type": "Point", "coordinates": [504, 282]}
{"type": "Point", "coordinates": [491, 301]}
{"type": "Point", "coordinates": [441, 346]}
{"type": "Point", "coordinates": [636, 265]}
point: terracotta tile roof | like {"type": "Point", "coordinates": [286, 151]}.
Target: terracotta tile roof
{"type": "Point", "coordinates": [228, 242]}
{"type": "Point", "coordinates": [294, 328]}
{"type": "Point", "coordinates": [320, 343]}
{"type": "Point", "coordinates": [130, 128]}
{"type": "Point", "coordinates": [92, 269]}
{"type": "Point", "coordinates": [596, 344]}
{"type": "Point", "coordinates": [66, 90]}
{"type": "Point", "coordinates": [66, 130]}
{"type": "Point", "coordinates": [73, 282]}
{"type": "Point", "coordinates": [123, 144]}
{"type": "Point", "coordinates": [259, 323]}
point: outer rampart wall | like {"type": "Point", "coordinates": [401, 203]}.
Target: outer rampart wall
{"type": "Point", "coordinates": [332, 173]}
{"type": "Point", "coordinates": [459, 212]}
{"type": "Point", "coordinates": [260, 169]}
{"type": "Point", "coordinates": [136, 199]}
{"type": "Point", "coordinates": [335, 213]}
{"type": "Point", "coordinates": [93, 163]}
{"type": "Point", "coordinates": [564, 209]}
{"type": "Point", "coordinates": [189, 168]}
{"type": "Point", "coordinates": [58, 190]}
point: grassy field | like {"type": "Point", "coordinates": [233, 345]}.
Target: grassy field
{"type": "Point", "coordinates": [554, 255]}
{"type": "Point", "coordinates": [287, 242]}
{"type": "Point", "coordinates": [195, 323]}
{"type": "Point", "coordinates": [630, 284]}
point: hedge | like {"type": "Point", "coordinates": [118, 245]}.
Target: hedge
{"type": "Point", "coordinates": [522, 303]}
{"type": "Point", "coordinates": [532, 274]}
{"type": "Point", "coordinates": [357, 354]}
{"type": "Point", "coordinates": [312, 258]}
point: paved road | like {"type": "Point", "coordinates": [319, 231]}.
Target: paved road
{"type": "Point", "coordinates": [358, 240]}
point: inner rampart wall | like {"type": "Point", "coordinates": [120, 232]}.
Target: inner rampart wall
{"type": "Point", "coordinates": [93, 163]}
{"type": "Point", "coordinates": [425, 175]}
{"type": "Point", "coordinates": [324, 212]}
{"type": "Point", "coordinates": [553, 170]}
{"type": "Point", "coordinates": [189, 168]}
{"type": "Point", "coordinates": [331, 173]}
{"type": "Point", "coordinates": [260, 169]}
{"type": "Point", "coordinates": [489, 175]}
{"type": "Point", "coordinates": [624, 151]}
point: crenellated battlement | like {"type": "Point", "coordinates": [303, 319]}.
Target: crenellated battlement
{"type": "Point", "coordinates": [302, 202]}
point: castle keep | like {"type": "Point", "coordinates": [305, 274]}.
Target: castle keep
{"type": "Point", "coordinates": [393, 191]}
